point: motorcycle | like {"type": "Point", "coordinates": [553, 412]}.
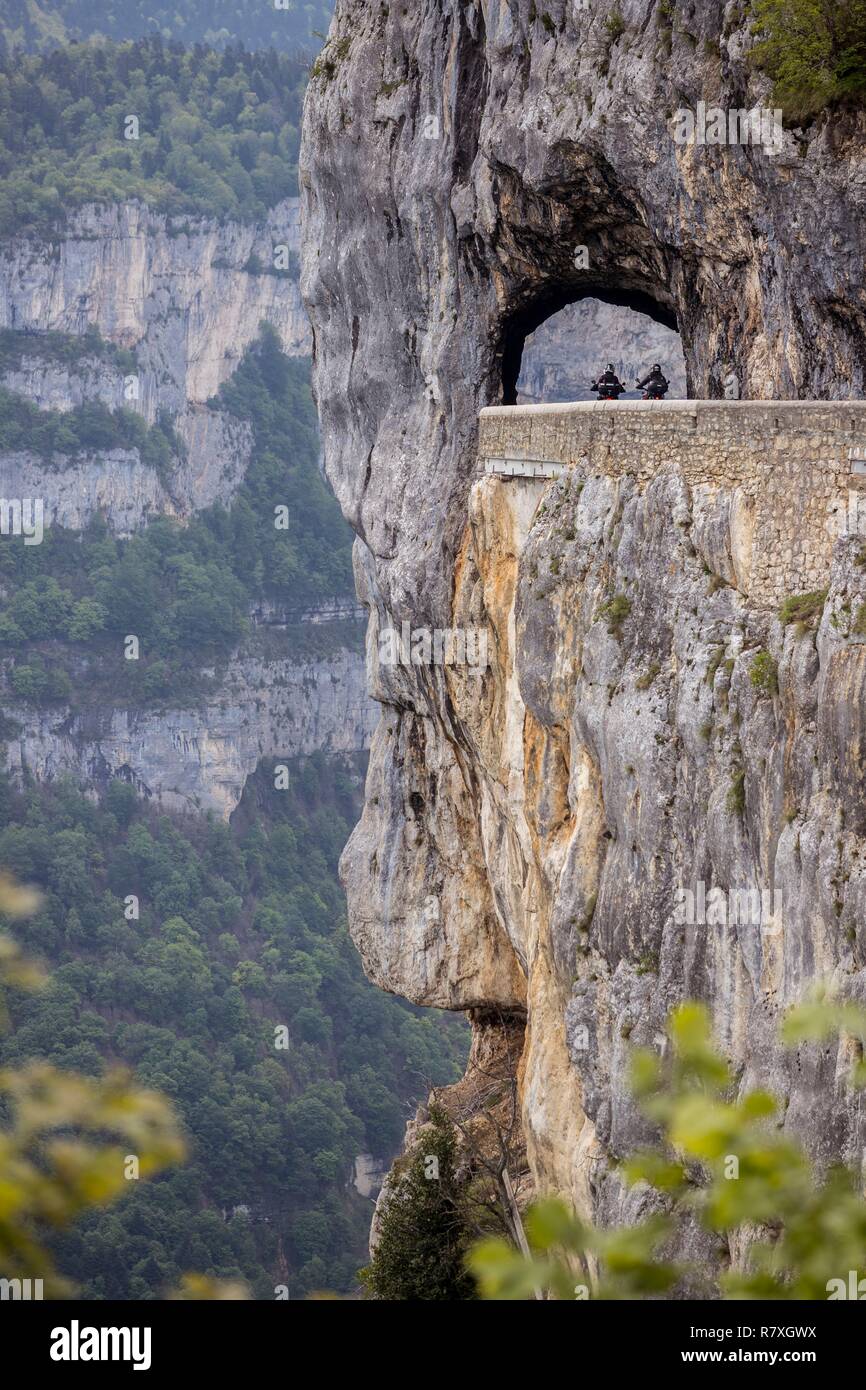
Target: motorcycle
{"type": "Point", "coordinates": [607, 391]}
{"type": "Point", "coordinates": [653, 392]}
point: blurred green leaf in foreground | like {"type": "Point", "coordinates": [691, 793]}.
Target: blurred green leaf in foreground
{"type": "Point", "coordinates": [67, 1142]}
{"type": "Point", "coordinates": [723, 1163]}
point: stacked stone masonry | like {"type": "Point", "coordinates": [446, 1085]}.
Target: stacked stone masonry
{"type": "Point", "coordinates": [785, 473]}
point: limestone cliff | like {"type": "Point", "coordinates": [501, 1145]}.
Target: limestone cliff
{"type": "Point", "coordinates": [187, 297]}
{"type": "Point", "coordinates": [186, 294]}
{"type": "Point", "coordinates": [118, 485]}
{"type": "Point", "coordinates": [197, 758]}
{"type": "Point", "coordinates": [647, 723]}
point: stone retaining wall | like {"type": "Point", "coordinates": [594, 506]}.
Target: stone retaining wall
{"type": "Point", "coordinates": [786, 474]}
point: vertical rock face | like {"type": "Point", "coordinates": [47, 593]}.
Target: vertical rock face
{"type": "Point", "coordinates": [187, 295]}
{"type": "Point", "coordinates": [118, 485]}
{"type": "Point", "coordinates": [53, 387]}
{"type": "Point", "coordinates": [198, 758]}
{"type": "Point", "coordinates": [456, 157]}
{"type": "Point", "coordinates": [527, 832]}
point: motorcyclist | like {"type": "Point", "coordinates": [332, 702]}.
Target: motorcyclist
{"type": "Point", "coordinates": [654, 384]}
{"type": "Point", "coordinates": [608, 384]}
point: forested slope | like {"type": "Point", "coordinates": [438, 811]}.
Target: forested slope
{"type": "Point", "coordinates": [240, 932]}
{"type": "Point", "coordinates": [198, 132]}
{"type": "Point", "coordinates": [280, 24]}
{"type": "Point", "coordinates": [237, 938]}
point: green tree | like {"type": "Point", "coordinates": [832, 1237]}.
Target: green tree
{"type": "Point", "coordinates": [87, 619]}
{"type": "Point", "coordinates": [424, 1235]}
{"type": "Point", "coordinates": [815, 51]}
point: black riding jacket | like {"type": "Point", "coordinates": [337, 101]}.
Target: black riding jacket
{"type": "Point", "coordinates": [654, 379]}
{"type": "Point", "coordinates": [607, 379]}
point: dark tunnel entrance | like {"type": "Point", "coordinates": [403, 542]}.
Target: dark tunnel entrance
{"type": "Point", "coordinates": [564, 338]}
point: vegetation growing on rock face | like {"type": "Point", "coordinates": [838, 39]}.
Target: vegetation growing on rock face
{"type": "Point", "coordinates": [614, 612]}
{"type": "Point", "coordinates": [614, 26]}
{"type": "Point", "coordinates": [724, 1160]}
{"type": "Point", "coordinates": [735, 801]}
{"type": "Point", "coordinates": [815, 51]}
{"type": "Point", "coordinates": [645, 680]}
{"type": "Point", "coordinates": [239, 930]}
{"type": "Point", "coordinates": [803, 608]}
{"type": "Point", "coordinates": [463, 1176]}
{"type": "Point", "coordinates": [87, 429]}
{"type": "Point", "coordinates": [216, 133]}
{"type": "Point", "coordinates": [763, 674]}
{"type": "Point", "coordinates": [62, 350]}
{"type": "Point", "coordinates": [716, 658]}
{"type": "Point", "coordinates": [312, 558]}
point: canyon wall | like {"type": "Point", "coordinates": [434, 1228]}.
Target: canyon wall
{"type": "Point", "coordinates": [197, 757]}
{"type": "Point", "coordinates": [645, 723]}
{"type": "Point", "coordinates": [119, 486]}
{"type": "Point", "coordinates": [186, 296]}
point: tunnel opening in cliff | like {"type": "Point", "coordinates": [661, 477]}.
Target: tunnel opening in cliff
{"type": "Point", "coordinates": [568, 350]}
{"type": "Point", "coordinates": [568, 317]}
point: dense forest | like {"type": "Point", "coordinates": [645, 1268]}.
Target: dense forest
{"type": "Point", "coordinates": [63, 350]}
{"type": "Point", "coordinates": [184, 591]}
{"type": "Point", "coordinates": [280, 24]}
{"type": "Point", "coordinates": [88, 429]}
{"type": "Point", "coordinates": [196, 132]}
{"type": "Point", "coordinates": [241, 931]}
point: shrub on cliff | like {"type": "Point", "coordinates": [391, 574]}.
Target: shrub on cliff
{"type": "Point", "coordinates": [803, 608]}
{"type": "Point", "coordinates": [614, 613]}
{"type": "Point", "coordinates": [815, 51]}
{"type": "Point", "coordinates": [764, 674]}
